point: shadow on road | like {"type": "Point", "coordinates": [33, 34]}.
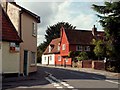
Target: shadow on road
{"type": "Point", "coordinates": [38, 79]}
{"type": "Point", "coordinates": [34, 79]}
{"type": "Point", "coordinates": [68, 74]}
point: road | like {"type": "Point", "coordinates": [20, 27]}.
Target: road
{"type": "Point", "coordinates": [64, 78]}
{"type": "Point", "coordinates": [60, 78]}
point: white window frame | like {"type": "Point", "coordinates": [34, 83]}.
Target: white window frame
{"type": "Point", "coordinates": [58, 48]}
{"type": "Point", "coordinates": [63, 47]}
{"type": "Point", "coordinates": [87, 48]}
{"type": "Point", "coordinates": [33, 63]}
{"type": "Point", "coordinates": [79, 48]}
{"type": "Point", "coordinates": [59, 58]}
{"type": "Point", "coordinates": [45, 59]}
{"type": "Point", "coordinates": [50, 48]}
{"type": "Point", "coordinates": [50, 58]}
{"type": "Point", "coordinates": [34, 29]}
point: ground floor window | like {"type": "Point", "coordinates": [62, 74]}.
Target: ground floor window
{"type": "Point", "coordinates": [33, 58]}
{"type": "Point", "coordinates": [59, 58]}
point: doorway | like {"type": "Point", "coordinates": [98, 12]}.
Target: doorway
{"type": "Point", "coordinates": [25, 71]}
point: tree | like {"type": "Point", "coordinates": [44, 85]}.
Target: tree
{"type": "Point", "coordinates": [52, 32]}
{"type": "Point", "coordinates": [109, 15]}
{"type": "Point", "coordinates": [99, 48]}
{"type": "Point", "coordinates": [82, 56]}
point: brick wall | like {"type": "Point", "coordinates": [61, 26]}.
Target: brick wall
{"type": "Point", "coordinates": [87, 64]}
{"type": "Point", "coordinates": [98, 65]}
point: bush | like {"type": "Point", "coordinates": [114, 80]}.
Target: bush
{"type": "Point", "coordinates": [82, 56]}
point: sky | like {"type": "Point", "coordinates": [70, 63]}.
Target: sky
{"type": "Point", "coordinates": [79, 14]}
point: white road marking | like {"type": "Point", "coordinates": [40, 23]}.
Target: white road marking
{"type": "Point", "coordinates": [57, 85]}
{"type": "Point", "coordinates": [112, 81]}
{"type": "Point", "coordinates": [106, 80]}
{"type": "Point", "coordinates": [49, 80]}
{"type": "Point", "coordinates": [52, 82]}
{"type": "Point", "coordinates": [70, 87]}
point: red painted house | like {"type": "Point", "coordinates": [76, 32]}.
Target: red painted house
{"type": "Point", "coordinates": [77, 40]}
{"type": "Point", "coordinates": [74, 40]}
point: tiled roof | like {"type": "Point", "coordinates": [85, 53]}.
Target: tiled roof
{"type": "Point", "coordinates": [54, 43]}
{"type": "Point", "coordinates": [27, 11]}
{"type": "Point", "coordinates": [8, 32]}
{"type": "Point", "coordinates": [83, 37]}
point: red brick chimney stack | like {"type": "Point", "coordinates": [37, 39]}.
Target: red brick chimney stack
{"type": "Point", "coordinates": [94, 31]}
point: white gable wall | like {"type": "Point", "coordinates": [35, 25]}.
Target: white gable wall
{"type": "Point", "coordinates": [48, 59]}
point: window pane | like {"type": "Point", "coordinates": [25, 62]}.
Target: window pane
{"type": "Point", "coordinates": [33, 58]}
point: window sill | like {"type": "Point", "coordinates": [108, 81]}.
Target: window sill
{"type": "Point", "coordinates": [34, 35]}
{"type": "Point", "coordinates": [33, 65]}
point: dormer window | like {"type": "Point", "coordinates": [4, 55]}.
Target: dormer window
{"type": "Point", "coordinates": [50, 48]}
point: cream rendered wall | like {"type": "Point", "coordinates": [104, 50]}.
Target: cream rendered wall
{"type": "Point", "coordinates": [10, 61]}
{"type": "Point", "coordinates": [51, 62]}
{"type": "Point", "coordinates": [29, 41]}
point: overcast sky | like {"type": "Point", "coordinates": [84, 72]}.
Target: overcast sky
{"type": "Point", "coordinates": [79, 14]}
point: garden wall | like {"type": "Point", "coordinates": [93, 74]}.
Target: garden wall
{"type": "Point", "coordinates": [89, 64]}
{"type": "Point", "coordinates": [100, 65]}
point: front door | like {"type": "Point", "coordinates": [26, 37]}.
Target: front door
{"type": "Point", "coordinates": [25, 62]}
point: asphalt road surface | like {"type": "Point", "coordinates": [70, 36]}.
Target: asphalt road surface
{"type": "Point", "coordinates": [53, 78]}
{"type": "Point", "coordinates": [76, 80]}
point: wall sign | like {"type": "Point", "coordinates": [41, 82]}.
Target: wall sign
{"type": "Point", "coordinates": [14, 47]}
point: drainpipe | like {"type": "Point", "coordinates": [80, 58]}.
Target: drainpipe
{"type": "Point", "coordinates": [20, 34]}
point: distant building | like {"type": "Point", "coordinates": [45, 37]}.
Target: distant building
{"type": "Point", "coordinates": [51, 55]}
{"type": "Point", "coordinates": [10, 45]}
{"type": "Point", "coordinates": [25, 23]}
{"type": "Point", "coordinates": [72, 40]}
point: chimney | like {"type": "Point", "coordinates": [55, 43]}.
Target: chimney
{"type": "Point", "coordinates": [94, 31]}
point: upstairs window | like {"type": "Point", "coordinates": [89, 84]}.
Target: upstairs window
{"type": "Point", "coordinates": [78, 48]}
{"type": "Point", "coordinates": [58, 48]}
{"type": "Point", "coordinates": [34, 29]}
{"type": "Point", "coordinates": [87, 48]}
{"type": "Point", "coordinates": [63, 47]}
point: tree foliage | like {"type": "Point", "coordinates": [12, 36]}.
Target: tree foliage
{"type": "Point", "coordinates": [82, 56]}
{"type": "Point", "coordinates": [52, 32]}
{"type": "Point", "coordinates": [99, 49]}
{"type": "Point", "coordinates": [109, 15]}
